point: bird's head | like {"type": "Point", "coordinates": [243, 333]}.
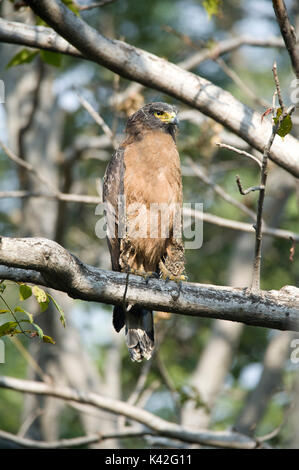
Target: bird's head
{"type": "Point", "coordinates": [156, 115]}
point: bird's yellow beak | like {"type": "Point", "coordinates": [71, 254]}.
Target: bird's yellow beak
{"type": "Point", "coordinates": [170, 118]}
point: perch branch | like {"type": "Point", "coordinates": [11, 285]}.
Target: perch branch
{"type": "Point", "coordinates": [45, 262]}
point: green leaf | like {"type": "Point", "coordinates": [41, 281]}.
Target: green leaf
{"type": "Point", "coordinates": [51, 58]}
{"type": "Point", "coordinates": [25, 292]}
{"type": "Point", "coordinates": [25, 56]}
{"type": "Point", "coordinates": [39, 294]}
{"type": "Point", "coordinates": [62, 317]}
{"type": "Point", "coordinates": [29, 315]}
{"type": "Point", "coordinates": [39, 331]}
{"type": "Point", "coordinates": [212, 7]}
{"type": "Point", "coordinates": [42, 297]}
{"type": "Point", "coordinates": [44, 305]}
{"type": "Point", "coordinates": [72, 6]}
{"type": "Point", "coordinates": [48, 339]}
{"type": "Point", "coordinates": [8, 328]}
{"type": "Point", "coordinates": [4, 311]}
{"type": "Point", "coordinates": [40, 22]}
{"type": "Point", "coordinates": [285, 125]}
{"type": "Point", "coordinates": [2, 287]}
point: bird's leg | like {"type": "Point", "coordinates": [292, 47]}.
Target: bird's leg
{"type": "Point", "coordinates": [172, 267]}
{"type": "Point", "coordinates": [167, 275]}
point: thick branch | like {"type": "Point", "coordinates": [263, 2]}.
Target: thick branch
{"type": "Point", "coordinates": [56, 268]}
{"type": "Point", "coordinates": [157, 73]}
{"type": "Point", "coordinates": [39, 37]}
{"type": "Point", "coordinates": [160, 426]}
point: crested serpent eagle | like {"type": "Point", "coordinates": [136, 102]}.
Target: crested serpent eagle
{"type": "Point", "coordinates": [142, 192]}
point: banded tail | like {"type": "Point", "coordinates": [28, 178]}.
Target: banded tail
{"type": "Point", "coordinates": [139, 330]}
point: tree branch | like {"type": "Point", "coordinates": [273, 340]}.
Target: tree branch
{"type": "Point", "coordinates": [72, 442]}
{"type": "Point", "coordinates": [218, 190]}
{"type": "Point", "coordinates": [39, 37]}
{"type": "Point", "coordinates": [240, 226]}
{"type": "Point", "coordinates": [157, 73]}
{"type": "Point", "coordinates": [44, 261]}
{"type": "Point", "coordinates": [205, 216]}
{"type": "Point", "coordinates": [225, 439]}
{"type": "Point", "coordinates": [94, 5]}
{"type": "Point", "coordinates": [288, 33]}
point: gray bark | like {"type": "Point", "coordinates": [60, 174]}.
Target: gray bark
{"type": "Point", "coordinates": [38, 259]}
{"type": "Point", "coordinates": [157, 73]}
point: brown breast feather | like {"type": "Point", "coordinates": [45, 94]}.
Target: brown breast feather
{"type": "Point", "coordinates": [152, 175]}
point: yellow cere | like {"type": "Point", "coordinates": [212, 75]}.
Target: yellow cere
{"type": "Point", "coordinates": [164, 116]}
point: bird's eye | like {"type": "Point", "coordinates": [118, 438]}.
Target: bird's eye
{"type": "Point", "coordinates": [159, 113]}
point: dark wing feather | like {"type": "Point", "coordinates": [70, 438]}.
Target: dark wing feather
{"type": "Point", "coordinates": [113, 186]}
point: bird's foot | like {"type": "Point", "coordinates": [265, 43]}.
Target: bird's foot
{"type": "Point", "coordinates": [168, 276]}
{"type": "Point", "coordinates": [145, 274]}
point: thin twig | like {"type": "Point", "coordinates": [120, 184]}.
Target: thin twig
{"type": "Point", "coordinates": [241, 226]}
{"type": "Point", "coordinates": [14, 317]}
{"type": "Point", "coordinates": [79, 198]}
{"type": "Point", "coordinates": [28, 167]}
{"type": "Point", "coordinates": [75, 441]}
{"type": "Point", "coordinates": [98, 119]}
{"type": "Point", "coordinates": [278, 90]}
{"type": "Point", "coordinates": [30, 359]}
{"type": "Point", "coordinates": [288, 33]}
{"type": "Point", "coordinates": [248, 190]}
{"type": "Point", "coordinates": [218, 190]}
{"type": "Point", "coordinates": [213, 54]}
{"type": "Point", "coordinates": [30, 119]}
{"type": "Point", "coordinates": [136, 393]}
{"type": "Point", "coordinates": [28, 422]}
{"type": "Point", "coordinates": [205, 216]}
{"type": "Point", "coordinates": [240, 152]}
{"type": "Point", "coordinates": [240, 83]}
{"type": "Point", "coordinates": [255, 286]}
{"type": "Point", "coordinates": [94, 5]}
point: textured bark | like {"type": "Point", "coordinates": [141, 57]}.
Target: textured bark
{"type": "Point", "coordinates": [62, 271]}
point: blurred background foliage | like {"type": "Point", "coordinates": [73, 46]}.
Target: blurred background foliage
{"type": "Point", "coordinates": [182, 339]}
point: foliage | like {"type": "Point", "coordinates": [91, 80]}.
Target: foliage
{"type": "Point", "coordinates": [212, 7]}
{"type": "Point", "coordinates": [15, 327]}
{"type": "Point", "coordinates": [285, 126]}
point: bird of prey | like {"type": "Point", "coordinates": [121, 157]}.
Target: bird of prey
{"type": "Point", "coordinates": [142, 192]}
